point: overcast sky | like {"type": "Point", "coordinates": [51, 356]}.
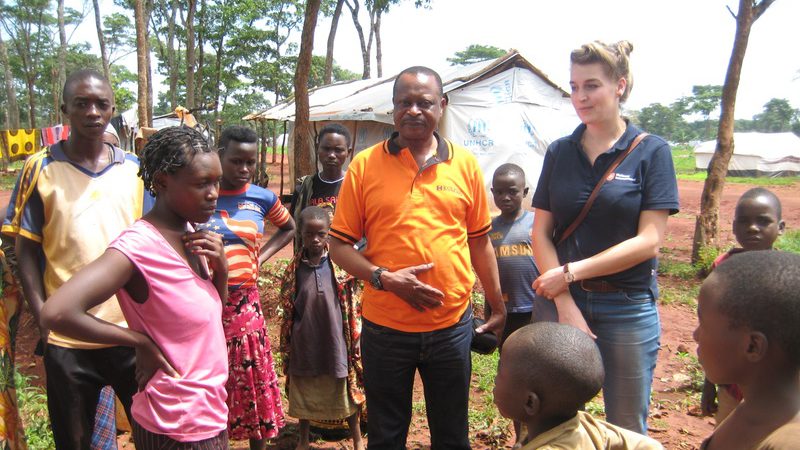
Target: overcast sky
{"type": "Point", "coordinates": [677, 43]}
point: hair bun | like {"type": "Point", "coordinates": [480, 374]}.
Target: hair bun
{"type": "Point", "coordinates": [624, 47]}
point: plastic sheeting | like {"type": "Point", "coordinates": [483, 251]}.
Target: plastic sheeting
{"type": "Point", "coordinates": [756, 154]}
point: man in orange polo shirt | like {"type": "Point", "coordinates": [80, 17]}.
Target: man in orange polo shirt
{"type": "Point", "coordinates": [421, 203]}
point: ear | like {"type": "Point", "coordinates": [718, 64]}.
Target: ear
{"type": "Point", "coordinates": [621, 85]}
{"type": "Point", "coordinates": [159, 182]}
{"type": "Point", "coordinates": [781, 227]}
{"type": "Point", "coordinates": [444, 102]}
{"type": "Point", "coordinates": [757, 346]}
{"type": "Point", "coordinates": [64, 109]}
{"type": "Point", "coordinates": [533, 404]}
{"type": "Point", "coordinates": [525, 192]}
{"type": "Point", "coordinates": [492, 190]}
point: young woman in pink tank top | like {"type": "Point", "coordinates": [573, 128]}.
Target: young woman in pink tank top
{"type": "Point", "coordinates": [170, 281]}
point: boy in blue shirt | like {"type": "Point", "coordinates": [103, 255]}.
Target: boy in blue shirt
{"type": "Point", "coordinates": [511, 239]}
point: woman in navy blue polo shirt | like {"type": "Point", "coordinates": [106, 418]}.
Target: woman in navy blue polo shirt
{"type": "Point", "coordinates": [602, 277]}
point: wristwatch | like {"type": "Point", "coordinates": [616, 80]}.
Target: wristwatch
{"type": "Point", "coordinates": [375, 281]}
{"type": "Point", "coordinates": [569, 277]}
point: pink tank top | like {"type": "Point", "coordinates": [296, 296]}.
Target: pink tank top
{"type": "Point", "coordinates": [183, 316]}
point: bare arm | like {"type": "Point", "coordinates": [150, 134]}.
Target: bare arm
{"type": "Point", "coordinates": [546, 259]}
{"type": "Point", "coordinates": [403, 283]}
{"type": "Point", "coordinates": [30, 274]}
{"type": "Point", "coordinates": [278, 240]}
{"type": "Point", "coordinates": [66, 312]}
{"type": "Point", "coordinates": [483, 260]}
{"type": "Point", "coordinates": [626, 254]}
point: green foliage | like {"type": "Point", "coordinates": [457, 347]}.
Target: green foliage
{"type": "Point", "coordinates": [484, 419]}
{"type": "Point", "coordinates": [677, 269]}
{"type": "Point", "coordinates": [476, 53]}
{"type": "Point", "coordinates": [706, 257]}
{"type": "Point", "coordinates": [33, 411]}
{"type": "Point", "coordinates": [789, 242]}
{"type": "Point", "coordinates": [778, 116]}
{"type": "Point", "coordinates": [681, 294]}
{"type": "Point", "coordinates": [756, 181]}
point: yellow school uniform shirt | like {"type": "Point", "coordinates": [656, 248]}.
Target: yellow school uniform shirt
{"type": "Point", "coordinates": [75, 214]}
{"type": "Point", "coordinates": [411, 216]}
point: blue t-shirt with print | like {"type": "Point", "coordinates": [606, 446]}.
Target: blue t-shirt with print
{"type": "Point", "coordinates": [512, 248]}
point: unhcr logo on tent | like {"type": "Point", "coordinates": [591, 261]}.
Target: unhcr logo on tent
{"type": "Point", "coordinates": [478, 129]}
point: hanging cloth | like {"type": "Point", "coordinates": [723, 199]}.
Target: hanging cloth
{"type": "Point", "coordinates": [18, 144]}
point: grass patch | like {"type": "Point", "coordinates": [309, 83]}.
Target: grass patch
{"type": "Point", "coordinates": [677, 269]}
{"type": "Point", "coordinates": [755, 181]}
{"type": "Point", "coordinates": [33, 411]}
{"type": "Point", "coordinates": [484, 419]}
{"type": "Point", "coordinates": [596, 407]}
{"type": "Point", "coordinates": [683, 294]}
{"type": "Point", "coordinates": [789, 242]}
{"type": "Point", "coordinates": [683, 159]}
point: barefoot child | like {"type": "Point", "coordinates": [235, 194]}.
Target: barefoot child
{"type": "Point", "coordinates": [511, 239]}
{"type": "Point", "coordinates": [547, 372]}
{"type": "Point", "coordinates": [170, 281]}
{"type": "Point", "coordinates": [756, 224]}
{"type": "Point", "coordinates": [320, 334]}
{"type": "Point", "coordinates": [254, 398]}
{"type": "Point", "coordinates": [748, 311]}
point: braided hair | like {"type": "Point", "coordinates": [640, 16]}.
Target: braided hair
{"type": "Point", "coordinates": [168, 150]}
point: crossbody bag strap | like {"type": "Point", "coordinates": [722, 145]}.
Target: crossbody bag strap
{"type": "Point", "coordinates": [588, 205]}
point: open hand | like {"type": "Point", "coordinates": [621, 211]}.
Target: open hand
{"type": "Point", "coordinates": [405, 284]}
{"type": "Point", "coordinates": [149, 359]}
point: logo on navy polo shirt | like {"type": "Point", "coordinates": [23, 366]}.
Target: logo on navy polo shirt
{"type": "Point", "coordinates": [248, 205]}
{"type": "Point", "coordinates": [619, 176]}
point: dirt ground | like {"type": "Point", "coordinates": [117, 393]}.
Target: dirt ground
{"type": "Point", "coordinates": [673, 421]}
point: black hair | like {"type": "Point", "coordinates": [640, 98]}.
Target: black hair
{"type": "Point", "coordinates": [238, 133]}
{"type": "Point", "coordinates": [760, 289]}
{"type": "Point", "coordinates": [416, 70]}
{"type": "Point", "coordinates": [334, 128]}
{"type": "Point", "coordinates": [313, 213]}
{"type": "Point", "coordinates": [558, 362]}
{"type": "Point", "coordinates": [757, 192]}
{"type": "Point", "coordinates": [509, 169]}
{"type": "Point", "coordinates": [168, 150]}
{"type": "Point", "coordinates": [81, 75]}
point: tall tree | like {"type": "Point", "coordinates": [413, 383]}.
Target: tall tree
{"type": "Point", "coordinates": [12, 111]}
{"type": "Point", "coordinates": [142, 64]}
{"type": "Point", "coordinates": [62, 60]}
{"type": "Point", "coordinates": [355, 8]}
{"type": "Point", "coordinates": [101, 39]}
{"type": "Point", "coordinates": [707, 226]}
{"type": "Point", "coordinates": [29, 25]}
{"type": "Point", "coordinates": [337, 12]}
{"type": "Point", "coordinates": [190, 53]}
{"type": "Point", "coordinates": [476, 53]}
{"type": "Point", "coordinates": [705, 100]}
{"type": "Point", "coordinates": [778, 116]}
{"type": "Point", "coordinates": [302, 143]}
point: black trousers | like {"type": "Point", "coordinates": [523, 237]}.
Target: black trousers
{"type": "Point", "coordinates": [74, 380]}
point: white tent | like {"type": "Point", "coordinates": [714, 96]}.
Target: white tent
{"type": "Point", "coordinates": [504, 110]}
{"type": "Point", "coordinates": [756, 154]}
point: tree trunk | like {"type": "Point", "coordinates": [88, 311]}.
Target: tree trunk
{"type": "Point", "coordinates": [302, 144]}
{"type": "Point", "coordinates": [378, 50]}
{"type": "Point", "coordinates": [190, 53]}
{"type": "Point", "coordinates": [102, 40]}
{"type": "Point", "coordinates": [142, 63]}
{"type": "Point", "coordinates": [365, 50]}
{"type": "Point", "coordinates": [199, 81]}
{"type": "Point", "coordinates": [62, 53]}
{"type": "Point", "coordinates": [172, 69]}
{"type": "Point", "coordinates": [707, 227]}
{"type": "Point", "coordinates": [12, 112]}
{"type": "Point", "coordinates": [331, 37]}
